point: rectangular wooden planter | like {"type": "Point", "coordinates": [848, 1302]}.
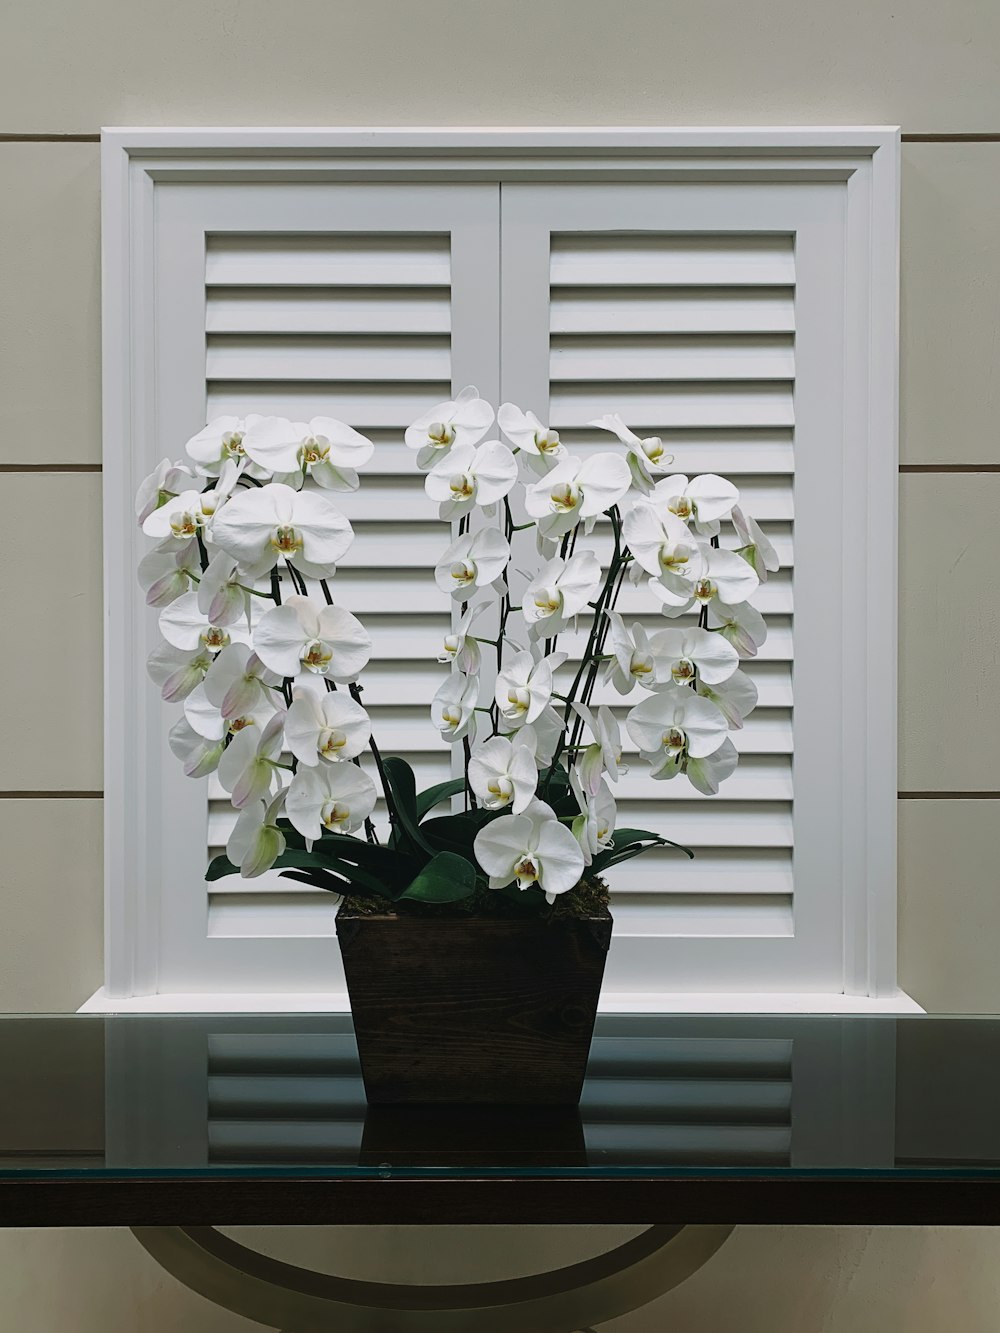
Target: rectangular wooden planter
{"type": "Point", "coordinates": [473, 1009]}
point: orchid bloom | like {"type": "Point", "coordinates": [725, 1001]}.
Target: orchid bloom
{"type": "Point", "coordinates": [453, 708]}
{"type": "Point", "coordinates": [303, 635]}
{"type": "Point", "coordinates": [221, 442]}
{"type": "Point", "coordinates": [256, 841]}
{"type": "Point", "coordinates": [207, 719]}
{"type": "Point", "coordinates": [463, 421]}
{"type": "Point", "coordinates": [221, 596]}
{"type": "Point", "coordinates": [632, 657]}
{"type": "Point", "coordinates": [471, 476]}
{"type": "Point", "coordinates": [725, 577]}
{"type": "Point", "coordinates": [524, 687]}
{"type": "Point", "coordinates": [531, 848]}
{"type": "Point", "coordinates": [474, 560]}
{"type": "Point", "coordinates": [647, 458]}
{"type": "Point", "coordinates": [198, 754]}
{"type": "Point", "coordinates": [675, 722]}
{"type": "Point", "coordinates": [575, 491]}
{"type": "Point", "coordinates": [755, 547]}
{"type": "Point", "coordinates": [605, 755]}
{"type": "Point", "coordinates": [459, 647]}
{"type": "Point", "coordinates": [165, 575]}
{"type": "Point", "coordinates": [504, 773]}
{"type": "Point", "coordinates": [184, 626]}
{"type": "Point", "coordinates": [704, 774]}
{"type": "Point", "coordinates": [178, 671]}
{"type": "Point", "coordinates": [541, 446]}
{"type": "Point", "coordinates": [702, 501]}
{"type": "Point", "coordinates": [663, 546]}
{"type": "Point", "coordinates": [338, 797]}
{"type": "Point", "coordinates": [734, 697]}
{"type": "Point", "coordinates": [559, 592]}
{"type": "Point", "coordinates": [264, 524]}
{"type": "Point", "coordinates": [325, 726]}
{"type": "Point", "coordinates": [594, 827]}
{"type": "Point", "coordinates": [237, 681]}
{"type": "Point", "coordinates": [191, 513]}
{"type": "Point", "coordinates": [166, 481]}
{"type": "Point", "coordinates": [324, 448]}
{"type": "Point", "coordinates": [743, 625]}
{"type": "Point", "coordinates": [248, 767]}
{"type": "Point", "coordinates": [686, 654]}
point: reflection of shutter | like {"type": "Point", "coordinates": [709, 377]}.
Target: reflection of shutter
{"type": "Point", "coordinates": [362, 316]}
{"type": "Point", "coordinates": [689, 332]}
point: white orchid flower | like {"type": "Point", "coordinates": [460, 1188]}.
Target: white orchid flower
{"type": "Point", "coordinates": [185, 516]}
{"type": "Point", "coordinates": [184, 626]}
{"type": "Point", "coordinates": [743, 625]}
{"type": "Point", "coordinates": [453, 708]}
{"type": "Point", "coordinates": [675, 722]}
{"type": "Point", "coordinates": [702, 501]}
{"type": "Point", "coordinates": [238, 682]}
{"type": "Point", "coordinates": [632, 660]}
{"type": "Point", "coordinates": [559, 592]}
{"type": "Point", "coordinates": [575, 491]}
{"type": "Point", "coordinates": [199, 755]}
{"type": "Point", "coordinates": [166, 481]}
{"type": "Point", "coordinates": [338, 797]}
{"type": "Point", "coordinates": [532, 848]}
{"type": "Point", "coordinates": [754, 546]}
{"type": "Point", "coordinates": [267, 523]}
{"type": "Point", "coordinates": [221, 442]}
{"type": "Point", "coordinates": [178, 671]}
{"type": "Point", "coordinates": [663, 546]}
{"type": "Point", "coordinates": [303, 635]}
{"type": "Point", "coordinates": [256, 842]}
{"type": "Point", "coordinates": [685, 654]}
{"type": "Point", "coordinates": [463, 421]}
{"type": "Point", "coordinates": [249, 766]}
{"type": "Point", "coordinates": [326, 726]}
{"type": "Point", "coordinates": [735, 697]}
{"type": "Point", "coordinates": [541, 446]}
{"type": "Point", "coordinates": [605, 755]}
{"type": "Point", "coordinates": [324, 448]}
{"type": "Point", "coordinates": [706, 774]}
{"type": "Point", "coordinates": [524, 687]}
{"type": "Point", "coordinates": [594, 827]}
{"type": "Point", "coordinates": [471, 476]}
{"type": "Point", "coordinates": [725, 577]}
{"type": "Point", "coordinates": [474, 560]}
{"type": "Point", "coordinates": [165, 575]}
{"type": "Point", "coordinates": [504, 772]}
{"type": "Point", "coordinates": [548, 729]}
{"type": "Point", "coordinates": [221, 596]}
{"type": "Point", "coordinates": [207, 719]}
{"type": "Point", "coordinates": [648, 459]}
{"type": "Point", "coordinates": [459, 647]}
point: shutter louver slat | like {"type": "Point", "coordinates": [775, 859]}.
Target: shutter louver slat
{"type": "Point", "coordinates": [692, 338]}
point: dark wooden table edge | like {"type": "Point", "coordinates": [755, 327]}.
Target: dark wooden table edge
{"type": "Point", "coordinates": [502, 1201]}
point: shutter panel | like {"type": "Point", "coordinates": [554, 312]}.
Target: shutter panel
{"type": "Point", "coordinates": [365, 304]}
{"type": "Point", "coordinates": [684, 311]}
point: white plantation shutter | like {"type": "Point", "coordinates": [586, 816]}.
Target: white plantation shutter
{"type": "Point", "coordinates": [365, 304]}
{"type": "Point", "coordinates": [732, 291]}
{"type": "Point", "coordinates": [706, 316]}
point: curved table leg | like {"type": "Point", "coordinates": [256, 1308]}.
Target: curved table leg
{"type": "Point", "coordinates": [299, 1301]}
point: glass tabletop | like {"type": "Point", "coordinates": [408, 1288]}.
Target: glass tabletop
{"type": "Point", "coordinates": [265, 1096]}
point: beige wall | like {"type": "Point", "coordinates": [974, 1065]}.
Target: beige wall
{"type": "Point", "coordinates": [67, 69]}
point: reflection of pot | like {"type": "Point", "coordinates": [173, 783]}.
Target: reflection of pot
{"type": "Point", "coordinates": [473, 1010]}
{"type": "Point", "coordinates": [481, 1136]}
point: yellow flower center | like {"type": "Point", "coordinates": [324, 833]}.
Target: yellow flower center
{"type": "Point", "coordinates": [642, 666]}
{"type": "Point", "coordinates": [653, 448]}
{"type": "Point", "coordinates": [451, 716]}
{"type": "Point", "coordinates": [683, 670]}
{"type": "Point", "coordinates": [462, 486]}
{"type": "Point", "coordinates": [238, 723]}
{"type": "Point", "coordinates": [564, 498]}
{"type": "Point", "coordinates": [440, 434]}
{"type": "Point", "coordinates": [704, 590]}
{"type": "Point", "coordinates": [526, 871]}
{"type": "Point", "coordinates": [519, 700]}
{"type": "Point", "coordinates": [463, 572]}
{"type": "Point", "coordinates": [317, 656]}
{"type": "Point", "coordinates": [232, 443]}
{"type": "Point", "coordinates": [214, 638]}
{"type": "Point", "coordinates": [674, 556]}
{"type": "Point", "coordinates": [548, 601]}
{"type": "Point", "coordinates": [546, 441]}
{"type": "Point", "coordinates": [313, 451]}
{"type": "Point", "coordinates": [185, 524]}
{"type": "Point", "coordinates": [682, 506]}
{"type": "Point", "coordinates": [335, 815]}
{"type": "Point", "coordinates": [286, 541]}
{"type": "Point", "coordinates": [331, 742]}
{"type": "Point", "coordinates": [674, 741]}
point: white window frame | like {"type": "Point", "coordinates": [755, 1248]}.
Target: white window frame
{"type": "Point", "coordinates": [865, 160]}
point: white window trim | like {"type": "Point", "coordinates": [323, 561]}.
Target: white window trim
{"type": "Point", "coordinates": [866, 159]}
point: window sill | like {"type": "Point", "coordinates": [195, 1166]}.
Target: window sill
{"type": "Point", "coordinates": [688, 1002]}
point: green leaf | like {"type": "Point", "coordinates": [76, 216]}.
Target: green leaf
{"type": "Point", "coordinates": [630, 842]}
{"type": "Point", "coordinates": [403, 791]}
{"type": "Point", "coordinates": [433, 796]}
{"type": "Point", "coordinates": [319, 879]}
{"type": "Point", "coordinates": [219, 866]}
{"type": "Point", "coordinates": [457, 833]}
{"type": "Point", "coordinates": [446, 878]}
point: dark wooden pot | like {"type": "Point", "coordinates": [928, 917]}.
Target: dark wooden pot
{"type": "Point", "coordinates": [473, 1009]}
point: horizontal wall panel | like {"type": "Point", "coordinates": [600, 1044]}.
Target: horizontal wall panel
{"type": "Point", "coordinates": [300, 259]}
{"type": "Point", "coordinates": [687, 309]}
{"type": "Point", "coordinates": [254, 358]}
{"type": "Point", "coordinates": [621, 258]}
{"type": "Point", "coordinates": [335, 310]}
